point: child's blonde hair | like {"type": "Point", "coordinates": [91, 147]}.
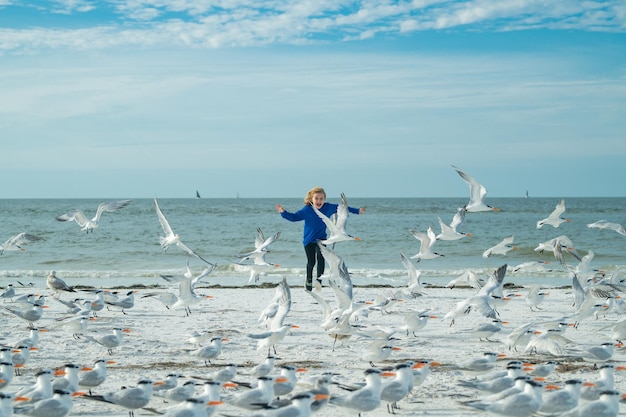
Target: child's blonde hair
{"type": "Point", "coordinates": [308, 200]}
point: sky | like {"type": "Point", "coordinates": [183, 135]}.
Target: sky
{"type": "Point", "coordinates": [269, 98]}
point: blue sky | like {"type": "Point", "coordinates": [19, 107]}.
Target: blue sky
{"type": "Point", "coordinates": [372, 98]}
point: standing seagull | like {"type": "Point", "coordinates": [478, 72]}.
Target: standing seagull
{"type": "Point", "coordinates": [18, 242]}
{"type": "Point", "coordinates": [555, 219]}
{"type": "Point", "coordinates": [170, 237]}
{"type": "Point", "coordinates": [86, 224]}
{"type": "Point", "coordinates": [57, 284]}
{"type": "Point", "coordinates": [477, 193]}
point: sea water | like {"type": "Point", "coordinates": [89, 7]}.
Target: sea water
{"type": "Point", "coordinates": [125, 249]}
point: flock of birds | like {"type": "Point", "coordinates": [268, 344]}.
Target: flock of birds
{"type": "Point", "coordinates": [520, 389]}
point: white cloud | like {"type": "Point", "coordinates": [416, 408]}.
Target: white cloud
{"type": "Point", "coordinates": [204, 23]}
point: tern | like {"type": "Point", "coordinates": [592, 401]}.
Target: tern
{"type": "Point", "coordinates": [172, 238]}
{"type": "Point", "coordinates": [451, 232]}
{"type": "Point", "coordinates": [337, 229]}
{"type": "Point", "coordinates": [93, 377]}
{"type": "Point", "coordinates": [59, 405]}
{"type": "Point", "coordinates": [86, 224]}
{"type": "Point", "coordinates": [427, 241]}
{"type": "Point", "coordinates": [603, 224]}
{"type": "Point", "coordinates": [131, 398]}
{"type": "Point", "coordinates": [363, 398]}
{"type": "Point", "coordinates": [477, 194]}
{"type": "Point", "coordinates": [501, 248]}
{"type": "Point", "coordinates": [555, 219]}
{"type": "Point", "coordinates": [109, 341]}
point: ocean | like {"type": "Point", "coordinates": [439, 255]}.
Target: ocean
{"type": "Point", "coordinates": [125, 250]}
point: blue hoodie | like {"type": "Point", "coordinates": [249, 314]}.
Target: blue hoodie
{"type": "Point", "coordinates": [314, 227]}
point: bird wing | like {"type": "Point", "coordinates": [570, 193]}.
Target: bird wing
{"type": "Point", "coordinates": [477, 190]}
{"type": "Point", "coordinates": [342, 213]}
{"type": "Point", "coordinates": [76, 215]}
{"type": "Point", "coordinates": [110, 206]}
{"type": "Point", "coordinates": [164, 223]}
{"type": "Point", "coordinates": [284, 305]}
{"type": "Point", "coordinates": [412, 271]}
{"type": "Point", "coordinates": [558, 210]}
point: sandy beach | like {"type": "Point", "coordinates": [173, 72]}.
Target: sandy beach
{"type": "Point", "coordinates": [158, 342]}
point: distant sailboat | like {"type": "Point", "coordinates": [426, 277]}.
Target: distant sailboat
{"type": "Point", "coordinates": [526, 194]}
{"type": "Point", "coordinates": [198, 194]}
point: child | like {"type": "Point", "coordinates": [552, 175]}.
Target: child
{"type": "Point", "coordinates": [314, 229]}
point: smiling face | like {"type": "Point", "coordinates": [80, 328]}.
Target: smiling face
{"type": "Point", "coordinates": [318, 200]}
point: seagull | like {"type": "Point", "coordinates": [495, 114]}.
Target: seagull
{"type": "Point", "coordinates": [170, 237]}
{"type": "Point", "coordinates": [555, 219]}
{"type": "Point", "coordinates": [501, 248]}
{"type": "Point", "coordinates": [18, 242]}
{"type": "Point", "coordinates": [130, 398]}
{"type": "Point", "coordinates": [338, 229]}
{"type": "Point", "coordinates": [427, 241]}
{"type": "Point", "coordinates": [89, 225]}
{"type": "Point", "coordinates": [57, 284]}
{"type": "Point", "coordinates": [450, 232]}
{"type": "Point", "coordinates": [603, 224]}
{"type": "Point", "coordinates": [477, 193]}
